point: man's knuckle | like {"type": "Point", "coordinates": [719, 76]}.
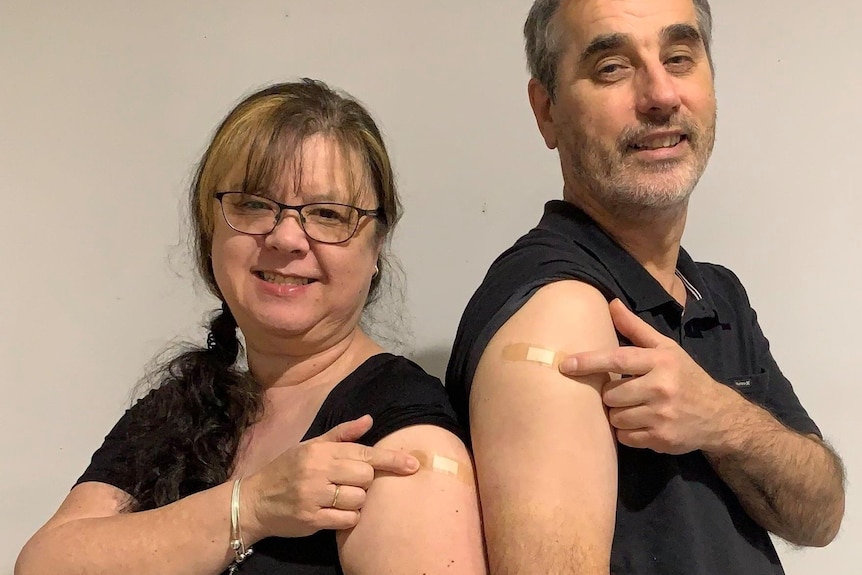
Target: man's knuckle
{"type": "Point", "coordinates": [625, 437]}
{"type": "Point", "coordinates": [664, 413]}
{"type": "Point", "coordinates": [618, 357]}
{"type": "Point", "coordinates": [663, 390]}
{"type": "Point", "coordinates": [662, 435]}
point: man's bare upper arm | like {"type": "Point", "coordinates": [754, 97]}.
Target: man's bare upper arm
{"type": "Point", "coordinates": [545, 452]}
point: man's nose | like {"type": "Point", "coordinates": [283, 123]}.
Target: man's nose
{"type": "Point", "coordinates": [657, 92]}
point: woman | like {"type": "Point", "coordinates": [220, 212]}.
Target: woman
{"type": "Point", "coordinates": [280, 469]}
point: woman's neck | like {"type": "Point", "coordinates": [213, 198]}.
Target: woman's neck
{"type": "Point", "coordinates": [284, 369]}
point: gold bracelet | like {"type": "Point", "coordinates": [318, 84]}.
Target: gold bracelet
{"type": "Point", "coordinates": [241, 553]}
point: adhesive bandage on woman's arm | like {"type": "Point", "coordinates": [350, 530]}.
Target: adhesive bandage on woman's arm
{"type": "Point", "coordinates": [436, 463]}
{"type": "Point", "coordinates": [533, 354]}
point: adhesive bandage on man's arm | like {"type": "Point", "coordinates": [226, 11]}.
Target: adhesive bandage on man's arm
{"type": "Point", "coordinates": [533, 354]}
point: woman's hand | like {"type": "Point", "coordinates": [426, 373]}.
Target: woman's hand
{"type": "Point", "coordinates": [295, 494]}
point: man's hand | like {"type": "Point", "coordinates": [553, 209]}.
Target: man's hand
{"type": "Point", "coordinates": [665, 401]}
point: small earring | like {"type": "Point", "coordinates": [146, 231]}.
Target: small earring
{"type": "Point", "coordinates": [376, 272]}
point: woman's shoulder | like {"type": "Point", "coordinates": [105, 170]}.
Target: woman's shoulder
{"type": "Point", "coordinates": [385, 381]}
{"type": "Point", "coordinates": [396, 392]}
{"type": "Point", "coordinates": [393, 378]}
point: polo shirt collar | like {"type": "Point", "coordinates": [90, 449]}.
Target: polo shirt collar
{"type": "Point", "coordinates": [704, 305]}
{"type": "Point", "coordinates": [642, 290]}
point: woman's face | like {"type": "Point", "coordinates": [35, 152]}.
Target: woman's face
{"type": "Point", "coordinates": [285, 285]}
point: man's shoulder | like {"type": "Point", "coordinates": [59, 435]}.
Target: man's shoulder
{"type": "Point", "coordinates": [718, 272]}
{"type": "Point", "coordinates": [723, 283]}
{"type": "Point", "coordinates": [538, 258]}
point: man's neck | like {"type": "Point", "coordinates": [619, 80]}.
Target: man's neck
{"type": "Point", "coordinates": [651, 237]}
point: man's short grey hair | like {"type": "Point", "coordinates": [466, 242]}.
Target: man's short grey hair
{"type": "Point", "coordinates": [544, 38]}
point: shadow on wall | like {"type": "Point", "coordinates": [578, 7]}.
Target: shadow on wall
{"type": "Point", "coordinates": [433, 360]}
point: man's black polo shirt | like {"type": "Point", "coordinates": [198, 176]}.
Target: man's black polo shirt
{"type": "Point", "coordinates": [674, 514]}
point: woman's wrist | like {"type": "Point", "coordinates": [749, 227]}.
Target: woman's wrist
{"type": "Point", "coordinates": [253, 529]}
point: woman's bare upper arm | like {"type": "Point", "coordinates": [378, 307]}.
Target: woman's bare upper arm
{"type": "Point", "coordinates": [89, 500]}
{"type": "Point", "coordinates": [425, 523]}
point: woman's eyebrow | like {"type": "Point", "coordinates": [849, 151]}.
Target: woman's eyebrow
{"type": "Point", "coordinates": [337, 196]}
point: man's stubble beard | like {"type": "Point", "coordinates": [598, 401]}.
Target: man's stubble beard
{"type": "Point", "coordinates": [633, 190]}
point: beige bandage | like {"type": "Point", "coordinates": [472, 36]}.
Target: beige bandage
{"type": "Point", "coordinates": [440, 464]}
{"type": "Point", "coordinates": [533, 354]}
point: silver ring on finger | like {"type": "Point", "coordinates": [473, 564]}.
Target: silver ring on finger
{"type": "Point", "coordinates": [335, 498]}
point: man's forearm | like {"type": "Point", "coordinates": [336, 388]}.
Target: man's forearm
{"type": "Point", "coordinates": [792, 485]}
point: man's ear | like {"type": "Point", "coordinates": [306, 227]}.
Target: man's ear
{"type": "Point", "coordinates": [540, 102]}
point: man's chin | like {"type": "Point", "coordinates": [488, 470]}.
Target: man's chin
{"type": "Point", "coordinates": [650, 197]}
{"type": "Point", "coordinates": [683, 165]}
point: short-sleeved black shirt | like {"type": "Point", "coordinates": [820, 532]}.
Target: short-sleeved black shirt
{"type": "Point", "coordinates": [674, 514]}
{"type": "Point", "coordinates": [396, 392]}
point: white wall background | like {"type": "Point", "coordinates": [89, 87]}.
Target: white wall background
{"type": "Point", "coordinates": [106, 104]}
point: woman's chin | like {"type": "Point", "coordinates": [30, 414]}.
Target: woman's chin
{"type": "Point", "coordinates": [290, 329]}
{"type": "Point", "coordinates": [278, 325]}
{"type": "Point", "coordinates": [266, 326]}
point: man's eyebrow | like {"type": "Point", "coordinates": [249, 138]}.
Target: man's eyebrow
{"type": "Point", "coordinates": [670, 34]}
{"type": "Point", "coordinates": [677, 33]}
{"type": "Point", "coordinates": [604, 43]}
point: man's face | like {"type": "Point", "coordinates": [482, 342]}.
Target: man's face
{"type": "Point", "coordinates": [634, 113]}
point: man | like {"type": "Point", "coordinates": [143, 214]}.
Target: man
{"type": "Point", "coordinates": [680, 450]}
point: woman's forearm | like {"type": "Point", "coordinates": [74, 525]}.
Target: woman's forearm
{"type": "Point", "coordinates": [188, 537]}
